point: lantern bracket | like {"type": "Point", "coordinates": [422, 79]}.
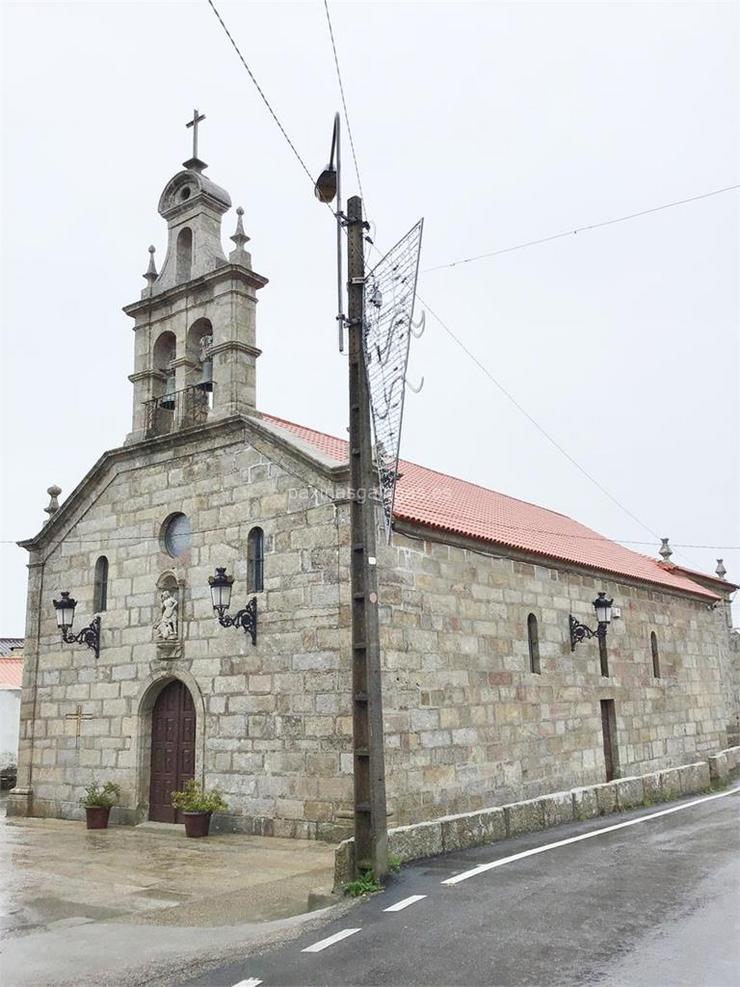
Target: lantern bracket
{"type": "Point", "coordinates": [89, 636]}
{"type": "Point", "coordinates": [245, 618]}
{"type": "Point", "coordinates": [581, 632]}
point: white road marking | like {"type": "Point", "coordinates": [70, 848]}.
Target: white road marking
{"type": "Point", "coordinates": [323, 943]}
{"type": "Point", "coordinates": [252, 982]}
{"type": "Point", "coordinates": [482, 868]}
{"type": "Point", "coordinates": [399, 905]}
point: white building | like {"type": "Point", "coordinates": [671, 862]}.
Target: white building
{"type": "Point", "coordinates": [11, 675]}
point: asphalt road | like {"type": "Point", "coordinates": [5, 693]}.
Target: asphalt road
{"type": "Point", "coordinates": [654, 903]}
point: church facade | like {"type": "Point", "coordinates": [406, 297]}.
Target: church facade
{"type": "Point", "coordinates": [486, 697]}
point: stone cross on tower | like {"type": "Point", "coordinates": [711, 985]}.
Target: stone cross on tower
{"type": "Point", "coordinates": [194, 124]}
{"type": "Point", "coordinates": [195, 163]}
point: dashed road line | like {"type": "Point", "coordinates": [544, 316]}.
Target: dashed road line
{"type": "Point", "coordinates": [482, 868]}
{"type": "Point", "coordinates": [252, 982]}
{"type": "Point", "coordinates": [400, 905]}
{"type": "Point", "coordinates": [330, 940]}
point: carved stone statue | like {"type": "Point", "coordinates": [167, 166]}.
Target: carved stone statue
{"type": "Point", "coordinates": [166, 626]}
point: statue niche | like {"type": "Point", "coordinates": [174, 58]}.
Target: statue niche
{"type": "Point", "coordinates": [168, 628]}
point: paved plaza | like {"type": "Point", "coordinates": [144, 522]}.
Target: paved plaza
{"type": "Point", "coordinates": [75, 903]}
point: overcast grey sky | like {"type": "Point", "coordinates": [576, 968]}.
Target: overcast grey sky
{"type": "Point", "coordinates": [497, 122]}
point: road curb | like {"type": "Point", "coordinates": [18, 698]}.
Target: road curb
{"type": "Point", "coordinates": [470, 829]}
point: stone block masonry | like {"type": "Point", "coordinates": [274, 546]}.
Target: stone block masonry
{"type": "Point", "coordinates": [272, 721]}
{"type": "Point", "coordinates": [724, 766]}
{"type": "Point", "coordinates": [469, 726]}
{"type": "Point", "coordinates": [469, 723]}
{"type": "Point", "coordinates": [472, 829]}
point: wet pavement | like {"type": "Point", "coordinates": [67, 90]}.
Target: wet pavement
{"type": "Point", "coordinates": [654, 903]}
{"type": "Point", "coordinates": [68, 890]}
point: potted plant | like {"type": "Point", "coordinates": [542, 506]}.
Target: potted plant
{"type": "Point", "coordinates": [197, 805]}
{"type": "Point", "coordinates": [98, 802]}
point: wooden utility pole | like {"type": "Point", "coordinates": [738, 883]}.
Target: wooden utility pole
{"type": "Point", "coordinates": [371, 833]}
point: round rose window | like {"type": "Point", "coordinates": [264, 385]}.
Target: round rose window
{"type": "Point", "coordinates": [176, 535]}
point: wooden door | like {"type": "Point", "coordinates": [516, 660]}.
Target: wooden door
{"type": "Point", "coordinates": [173, 749]}
{"type": "Point", "coordinates": [609, 731]}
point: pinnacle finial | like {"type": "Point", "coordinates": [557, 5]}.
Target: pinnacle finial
{"type": "Point", "coordinates": [665, 550]}
{"type": "Point", "coordinates": [720, 570]}
{"type": "Point", "coordinates": [239, 237]}
{"type": "Point", "coordinates": [53, 492]}
{"type": "Point", "coordinates": [151, 272]}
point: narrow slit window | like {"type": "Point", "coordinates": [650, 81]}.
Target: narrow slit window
{"type": "Point", "coordinates": [255, 561]}
{"type": "Point", "coordinates": [100, 592]}
{"type": "Point", "coordinates": [534, 644]}
{"type": "Point", "coordinates": [184, 254]}
{"type": "Point", "coordinates": [655, 653]}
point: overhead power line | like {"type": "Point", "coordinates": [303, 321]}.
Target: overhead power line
{"type": "Point", "coordinates": [344, 102]}
{"type": "Point", "coordinates": [580, 229]}
{"type": "Point", "coordinates": [259, 89]}
{"type": "Point", "coordinates": [468, 260]}
{"type": "Point", "coordinates": [543, 431]}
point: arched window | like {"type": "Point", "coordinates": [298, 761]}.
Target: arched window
{"type": "Point", "coordinates": [100, 592]}
{"type": "Point", "coordinates": [198, 343]}
{"type": "Point", "coordinates": [256, 561]}
{"type": "Point", "coordinates": [165, 350]}
{"type": "Point", "coordinates": [163, 353]}
{"type": "Point", "coordinates": [184, 255]}
{"type": "Point", "coordinates": [534, 644]}
{"type": "Point", "coordinates": [655, 653]}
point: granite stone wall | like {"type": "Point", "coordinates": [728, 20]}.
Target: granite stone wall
{"type": "Point", "coordinates": [468, 725]}
{"type": "Point", "coordinates": [273, 721]}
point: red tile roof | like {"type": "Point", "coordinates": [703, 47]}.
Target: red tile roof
{"type": "Point", "coordinates": [710, 577]}
{"type": "Point", "coordinates": [11, 673]}
{"type": "Point", "coordinates": [435, 500]}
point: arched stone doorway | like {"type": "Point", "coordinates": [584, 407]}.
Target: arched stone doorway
{"type": "Point", "coordinates": [173, 749]}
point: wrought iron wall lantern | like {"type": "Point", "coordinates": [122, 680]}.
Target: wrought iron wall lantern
{"type": "Point", "coordinates": [65, 613]}
{"type": "Point", "coordinates": [579, 632]}
{"type": "Point", "coordinates": [221, 598]}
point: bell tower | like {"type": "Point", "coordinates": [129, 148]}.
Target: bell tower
{"type": "Point", "coordinates": [195, 325]}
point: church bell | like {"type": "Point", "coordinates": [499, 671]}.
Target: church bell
{"type": "Point", "coordinates": [206, 365]}
{"type": "Point", "coordinates": [206, 375]}
{"type": "Point", "coordinates": [168, 398]}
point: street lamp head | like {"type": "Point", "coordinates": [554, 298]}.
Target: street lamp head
{"type": "Point", "coordinates": [65, 611]}
{"type": "Point", "coordinates": [325, 188]}
{"type": "Point", "coordinates": [603, 608]}
{"type": "Point", "coordinates": [220, 590]}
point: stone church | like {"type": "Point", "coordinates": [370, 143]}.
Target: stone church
{"type": "Point", "coordinates": [486, 697]}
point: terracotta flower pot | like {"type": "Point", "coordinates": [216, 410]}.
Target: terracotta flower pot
{"type": "Point", "coordinates": [97, 816]}
{"type": "Point", "coordinates": [197, 823]}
